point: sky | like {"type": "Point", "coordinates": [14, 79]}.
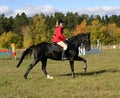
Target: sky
{"type": "Point", "coordinates": [48, 7]}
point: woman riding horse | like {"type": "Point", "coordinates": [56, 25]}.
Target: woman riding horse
{"type": "Point", "coordinates": [44, 51]}
{"type": "Point", "coordinates": [59, 38]}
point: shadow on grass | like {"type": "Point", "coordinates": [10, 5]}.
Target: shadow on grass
{"type": "Point", "coordinates": [93, 72]}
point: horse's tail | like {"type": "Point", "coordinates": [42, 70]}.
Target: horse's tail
{"type": "Point", "coordinates": [27, 52]}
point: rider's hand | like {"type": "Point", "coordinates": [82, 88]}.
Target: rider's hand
{"type": "Point", "coordinates": [66, 38]}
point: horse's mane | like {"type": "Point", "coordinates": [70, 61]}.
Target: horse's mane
{"type": "Point", "coordinates": [77, 36]}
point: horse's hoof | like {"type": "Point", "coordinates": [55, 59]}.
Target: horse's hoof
{"type": "Point", "coordinates": [84, 71]}
{"type": "Point", "coordinates": [25, 76]}
{"type": "Point", "coordinates": [73, 77]}
{"type": "Point", "coordinates": [49, 77]}
{"type": "Point", "coordinates": [17, 66]}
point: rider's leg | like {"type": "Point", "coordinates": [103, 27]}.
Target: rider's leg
{"type": "Point", "coordinates": [63, 55]}
{"type": "Point", "coordinates": [62, 44]}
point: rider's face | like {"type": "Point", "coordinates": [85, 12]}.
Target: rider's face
{"type": "Point", "coordinates": [61, 24]}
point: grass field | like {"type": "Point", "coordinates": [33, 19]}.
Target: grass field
{"type": "Point", "coordinates": [101, 81]}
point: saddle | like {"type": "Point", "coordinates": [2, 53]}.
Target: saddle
{"type": "Point", "coordinates": [56, 47]}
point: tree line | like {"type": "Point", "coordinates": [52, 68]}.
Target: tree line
{"type": "Point", "coordinates": [25, 31]}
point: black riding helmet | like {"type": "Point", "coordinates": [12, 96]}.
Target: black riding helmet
{"type": "Point", "coordinates": [60, 21]}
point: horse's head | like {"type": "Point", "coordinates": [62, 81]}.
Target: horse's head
{"type": "Point", "coordinates": [86, 41]}
{"type": "Point", "coordinates": [82, 39]}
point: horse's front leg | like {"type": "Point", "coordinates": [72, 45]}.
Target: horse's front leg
{"type": "Point", "coordinates": [72, 68]}
{"type": "Point", "coordinates": [85, 66]}
{"type": "Point", "coordinates": [85, 63]}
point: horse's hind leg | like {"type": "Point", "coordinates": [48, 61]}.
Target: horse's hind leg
{"type": "Point", "coordinates": [44, 62]}
{"type": "Point", "coordinates": [30, 67]}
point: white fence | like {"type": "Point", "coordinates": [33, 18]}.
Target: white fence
{"type": "Point", "coordinates": [95, 49]}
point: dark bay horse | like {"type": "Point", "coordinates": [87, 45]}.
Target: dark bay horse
{"type": "Point", "coordinates": [44, 51]}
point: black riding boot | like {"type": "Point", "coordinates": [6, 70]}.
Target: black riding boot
{"type": "Point", "coordinates": [63, 55]}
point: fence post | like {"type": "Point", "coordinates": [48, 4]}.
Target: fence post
{"type": "Point", "coordinates": [13, 50]}
{"type": "Point", "coordinates": [81, 49]}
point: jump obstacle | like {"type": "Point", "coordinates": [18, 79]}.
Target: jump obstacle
{"type": "Point", "coordinates": [95, 49]}
{"type": "Point", "coordinates": [8, 53]}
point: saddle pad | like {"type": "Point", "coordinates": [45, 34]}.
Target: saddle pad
{"type": "Point", "coordinates": [56, 47]}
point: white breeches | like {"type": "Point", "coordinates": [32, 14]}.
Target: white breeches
{"type": "Point", "coordinates": [62, 44]}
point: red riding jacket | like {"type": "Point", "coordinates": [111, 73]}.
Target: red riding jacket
{"type": "Point", "coordinates": [58, 34]}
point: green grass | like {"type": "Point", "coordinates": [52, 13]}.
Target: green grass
{"type": "Point", "coordinates": [101, 81]}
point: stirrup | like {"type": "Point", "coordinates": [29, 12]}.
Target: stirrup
{"type": "Point", "coordinates": [64, 58]}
